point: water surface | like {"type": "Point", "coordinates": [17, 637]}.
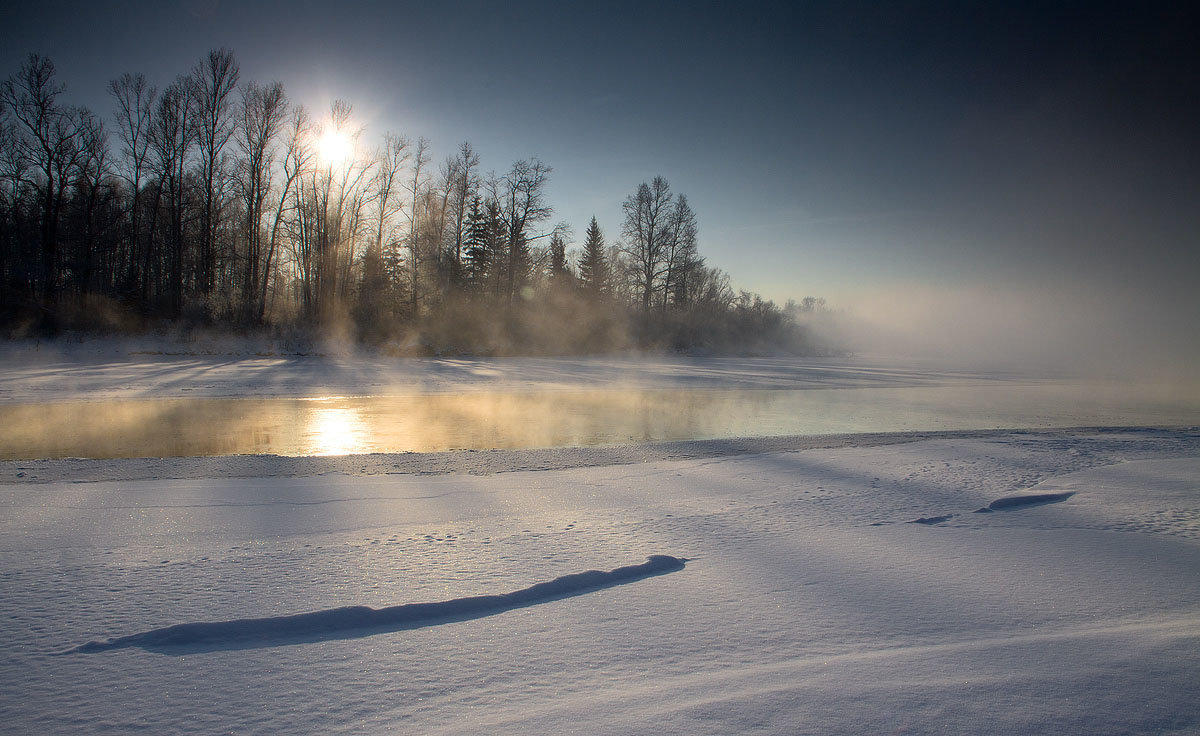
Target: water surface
{"type": "Point", "coordinates": [431, 422]}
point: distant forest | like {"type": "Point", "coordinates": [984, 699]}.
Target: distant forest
{"type": "Point", "coordinates": [216, 202]}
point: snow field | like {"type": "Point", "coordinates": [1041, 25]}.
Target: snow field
{"type": "Point", "coordinates": [807, 605]}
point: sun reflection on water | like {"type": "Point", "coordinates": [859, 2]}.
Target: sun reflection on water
{"type": "Point", "coordinates": [336, 430]}
{"type": "Point", "coordinates": [485, 420]}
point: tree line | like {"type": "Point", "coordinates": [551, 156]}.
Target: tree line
{"type": "Point", "coordinates": [217, 201]}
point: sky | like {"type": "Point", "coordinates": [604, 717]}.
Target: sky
{"type": "Point", "coordinates": [894, 157]}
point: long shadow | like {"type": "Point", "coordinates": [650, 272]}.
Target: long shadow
{"type": "Point", "coordinates": [352, 622]}
{"type": "Point", "coordinates": [1024, 501]}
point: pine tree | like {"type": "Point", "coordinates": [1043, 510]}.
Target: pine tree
{"type": "Point", "coordinates": [496, 243]}
{"type": "Point", "coordinates": [558, 258]}
{"type": "Point", "coordinates": [485, 249]}
{"type": "Point", "coordinates": [593, 265]}
{"type": "Point", "coordinates": [477, 261]}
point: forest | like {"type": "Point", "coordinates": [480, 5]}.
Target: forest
{"type": "Point", "coordinates": [215, 202]}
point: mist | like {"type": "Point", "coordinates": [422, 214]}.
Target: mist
{"type": "Point", "coordinates": [1066, 328]}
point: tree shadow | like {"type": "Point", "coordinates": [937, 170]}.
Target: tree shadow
{"type": "Point", "coordinates": [352, 622]}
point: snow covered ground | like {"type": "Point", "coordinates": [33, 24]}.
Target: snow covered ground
{"type": "Point", "coordinates": [801, 585]}
{"type": "Point", "coordinates": [56, 372]}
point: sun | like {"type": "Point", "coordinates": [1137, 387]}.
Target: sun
{"type": "Point", "coordinates": [334, 147]}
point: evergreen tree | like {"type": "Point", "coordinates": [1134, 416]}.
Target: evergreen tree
{"type": "Point", "coordinates": [485, 249]}
{"type": "Point", "coordinates": [477, 257]}
{"type": "Point", "coordinates": [558, 258]}
{"type": "Point", "coordinates": [593, 264]}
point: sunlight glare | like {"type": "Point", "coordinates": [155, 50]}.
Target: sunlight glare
{"type": "Point", "coordinates": [334, 147]}
{"type": "Point", "coordinates": [336, 431]}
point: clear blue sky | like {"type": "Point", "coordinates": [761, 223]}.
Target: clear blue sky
{"type": "Point", "coordinates": [832, 148]}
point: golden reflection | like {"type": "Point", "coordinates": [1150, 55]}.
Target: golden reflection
{"type": "Point", "coordinates": [350, 425]}
{"type": "Point", "coordinates": [337, 431]}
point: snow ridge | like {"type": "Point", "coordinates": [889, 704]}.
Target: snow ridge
{"type": "Point", "coordinates": [1013, 502]}
{"type": "Point", "coordinates": [355, 621]}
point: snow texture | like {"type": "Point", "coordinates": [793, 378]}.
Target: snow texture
{"type": "Point", "coordinates": [794, 615]}
{"type": "Point", "coordinates": [930, 520]}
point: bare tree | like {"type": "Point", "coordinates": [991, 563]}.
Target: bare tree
{"type": "Point", "coordinates": [330, 200]}
{"type": "Point", "coordinates": [712, 293]}
{"type": "Point", "coordinates": [47, 137]}
{"type": "Point", "coordinates": [15, 260]}
{"type": "Point", "coordinates": [171, 139]}
{"type": "Point", "coordinates": [135, 101]}
{"type": "Point", "coordinates": [297, 158]}
{"type": "Point", "coordinates": [465, 182]}
{"type": "Point", "coordinates": [92, 180]}
{"type": "Point", "coordinates": [648, 214]}
{"type": "Point", "coordinates": [437, 241]}
{"type": "Point", "coordinates": [415, 188]}
{"type": "Point", "coordinates": [681, 255]}
{"type": "Point", "coordinates": [214, 81]}
{"type": "Point", "coordinates": [263, 113]}
{"type": "Point", "coordinates": [390, 160]}
{"type": "Point", "coordinates": [523, 205]}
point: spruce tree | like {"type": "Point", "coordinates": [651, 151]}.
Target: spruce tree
{"type": "Point", "coordinates": [558, 257]}
{"type": "Point", "coordinates": [496, 243]}
{"type": "Point", "coordinates": [477, 261]}
{"type": "Point", "coordinates": [593, 264]}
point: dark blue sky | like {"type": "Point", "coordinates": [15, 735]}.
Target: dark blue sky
{"type": "Point", "coordinates": [843, 149]}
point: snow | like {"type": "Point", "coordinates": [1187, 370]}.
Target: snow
{"type": "Point", "coordinates": [374, 594]}
{"type": "Point", "coordinates": [70, 372]}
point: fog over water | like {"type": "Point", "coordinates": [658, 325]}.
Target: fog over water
{"type": "Point", "coordinates": [1069, 329]}
{"type": "Point", "coordinates": [481, 420]}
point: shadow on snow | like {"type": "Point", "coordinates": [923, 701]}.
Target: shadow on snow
{"type": "Point", "coordinates": [359, 621]}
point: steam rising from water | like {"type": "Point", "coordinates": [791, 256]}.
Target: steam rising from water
{"type": "Point", "coordinates": [438, 422]}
